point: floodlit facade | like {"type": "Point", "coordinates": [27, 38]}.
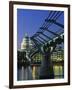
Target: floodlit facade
{"type": "Point", "coordinates": [58, 63]}
{"type": "Point", "coordinates": [24, 69]}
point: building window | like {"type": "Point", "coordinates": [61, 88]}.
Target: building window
{"type": "Point", "coordinates": [58, 71]}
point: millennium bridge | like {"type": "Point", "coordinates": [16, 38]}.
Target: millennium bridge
{"type": "Point", "coordinates": [44, 58]}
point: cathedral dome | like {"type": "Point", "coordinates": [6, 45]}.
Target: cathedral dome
{"type": "Point", "coordinates": [26, 43]}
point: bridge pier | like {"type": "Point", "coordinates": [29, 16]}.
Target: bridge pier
{"type": "Point", "coordinates": [46, 70]}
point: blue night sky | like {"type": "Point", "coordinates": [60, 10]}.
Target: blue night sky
{"type": "Point", "coordinates": [29, 21]}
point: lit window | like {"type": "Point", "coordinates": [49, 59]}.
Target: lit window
{"type": "Point", "coordinates": [58, 71]}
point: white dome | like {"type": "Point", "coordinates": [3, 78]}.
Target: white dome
{"type": "Point", "coordinates": [26, 43]}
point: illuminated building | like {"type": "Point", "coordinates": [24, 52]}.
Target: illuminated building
{"type": "Point", "coordinates": [24, 69]}
{"type": "Point", "coordinates": [57, 58]}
